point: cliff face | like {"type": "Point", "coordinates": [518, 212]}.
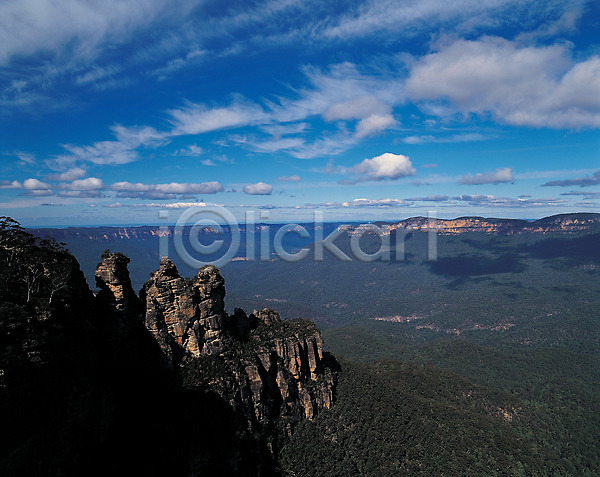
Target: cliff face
{"type": "Point", "coordinates": [569, 223]}
{"type": "Point", "coordinates": [162, 384]}
{"type": "Point", "coordinates": [272, 372]}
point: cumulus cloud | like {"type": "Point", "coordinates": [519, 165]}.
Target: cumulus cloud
{"type": "Point", "coordinates": [292, 178]}
{"type": "Point", "coordinates": [81, 193]}
{"type": "Point", "coordinates": [519, 85]}
{"type": "Point", "coordinates": [497, 177]}
{"type": "Point", "coordinates": [34, 184]}
{"type": "Point", "coordinates": [372, 203]}
{"type": "Point", "coordinates": [69, 175]}
{"type": "Point", "coordinates": [91, 183]}
{"type": "Point", "coordinates": [164, 191]}
{"type": "Point", "coordinates": [260, 188]}
{"type": "Point", "coordinates": [385, 166]}
{"type": "Point", "coordinates": [594, 179]}
{"type": "Point", "coordinates": [10, 185]}
{"type": "Point", "coordinates": [36, 188]}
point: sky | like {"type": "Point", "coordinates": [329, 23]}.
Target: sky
{"type": "Point", "coordinates": [112, 111]}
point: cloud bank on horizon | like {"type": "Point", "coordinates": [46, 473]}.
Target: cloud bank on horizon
{"type": "Point", "coordinates": [368, 109]}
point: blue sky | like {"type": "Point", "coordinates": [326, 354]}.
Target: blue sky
{"type": "Point", "coordinates": [111, 111]}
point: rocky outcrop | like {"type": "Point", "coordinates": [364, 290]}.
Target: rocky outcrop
{"type": "Point", "coordinates": [116, 292]}
{"type": "Point", "coordinates": [186, 318]}
{"type": "Point", "coordinates": [271, 372]}
{"type": "Point", "coordinates": [162, 384]}
{"type": "Point", "coordinates": [291, 355]}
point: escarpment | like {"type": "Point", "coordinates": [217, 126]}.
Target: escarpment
{"type": "Point", "coordinates": [271, 372]}
{"type": "Point", "coordinates": [164, 383]}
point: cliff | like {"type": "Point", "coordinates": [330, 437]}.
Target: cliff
{"type": "Point", "coordinates": [569, 223]}
{"type": "Point", "coordinates": [270, 370]}
{"type": "Point", "coordinates": [165, 383]}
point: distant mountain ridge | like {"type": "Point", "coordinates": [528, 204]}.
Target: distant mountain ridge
{"type": "Point", "coordinates": [556, 223]}
{"type": "Point", "coordinates": [575, 222]}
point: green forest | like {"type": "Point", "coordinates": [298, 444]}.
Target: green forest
{"type": "Point", "coordinates": [483, 362]}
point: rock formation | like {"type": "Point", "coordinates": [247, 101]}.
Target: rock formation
{"type": "Point", "coordinates": [273, 369]}
{"type": "Point", "coordinates": [162, 384]}
{"type": "Point", "coordinates": [271, 372]}
{"type": "Point", "coordinates": [116, 292]}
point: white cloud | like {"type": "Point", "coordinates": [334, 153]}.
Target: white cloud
{"type": "Point", "coordinates": [260, 188]}
{"type": "Point", "coordinates": [408, 18]}
{"type": "Point", "coordinates": [10, 185]}
{"type": "Point", "coordinates": [497, 177]}
{"type": "Point", "coordinates": [356, 108]}
{"type": "Point", "coordinates": [165, 191]}
{"type": "Point", "coordinates": [35, 187]}
{"type": "Point", "coordinates": [292, 178]}
{"type": "Point", "coordinates": [129, 187]}
{"type": "Point", "coordinates": [91, 183]}
{"type": "Point", "coordinates": [176, 205]}
{"type": "Point", "coordinates": [82, 194]}
{"type": "Point", "coordinates": [121, 151]}
{"type": "Point", "coordinates": [69, 175]}
{"type": "Point", "coordinates": [466, 137]}
{"type": "Point", "coordinates": [373, 203]}
{"type": "Point", "coordinates": [268, 145]}
{"type": "Point", "coordinates": [385, 166]}
{"type": "Point", "coordinates": [190, 151]}
{"type": "Point", "coordinates": [103, 152]}
{"type": "Point", "coordinates": [524, 86]}
{"type": "Point", "coordinates": [30, 26]}
{"type": "Point", "coordinates": [185, 188]}
{"type": "Point", "coordinates": [198, 118]}
{"type": "Point", "coordinates": [374, 124]}
{"type": "Point", "coordinates": [136, 136]}
{"type": "Point", "coordinates": [34, 184]}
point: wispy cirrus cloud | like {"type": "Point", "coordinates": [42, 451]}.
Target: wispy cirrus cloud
{"type": "Point", "coordinates": [427, 139]}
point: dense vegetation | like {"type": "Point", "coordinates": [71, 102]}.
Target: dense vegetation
{"type": "Point", "coordinates": [484, 362]}
{"type": "Point", "coordinates": [394, 419]}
